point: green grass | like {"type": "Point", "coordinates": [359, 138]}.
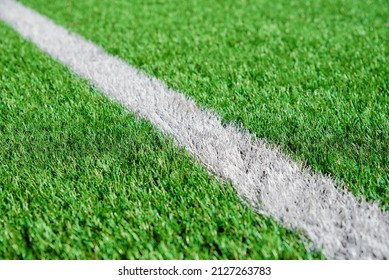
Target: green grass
{"type": "Point", "coordinates": [81, 178]}
{"type": "Point", "coordinates": [309, 76]}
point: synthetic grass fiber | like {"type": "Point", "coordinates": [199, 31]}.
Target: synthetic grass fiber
{"type": "Point", "coordinates": [309, 76]}
{"type": "Point", "coordinates": [81, 178]}
{"type": "Point", "coordinates": [331, 218]}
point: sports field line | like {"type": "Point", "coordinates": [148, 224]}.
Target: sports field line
{"type": "Point", "coordinates": [271, 182]}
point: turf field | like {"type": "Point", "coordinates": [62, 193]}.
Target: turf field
{"type": "Point", "coordinates": [82, 178]}
{"type": "Point", "coordinates": [89, 180]}
{"type": "Point", "coordinates": [309, 76]}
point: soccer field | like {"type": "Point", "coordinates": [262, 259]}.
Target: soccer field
{"type": "Point", "coordinates": [82, 177]}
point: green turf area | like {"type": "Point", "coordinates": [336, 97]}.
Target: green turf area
{"type": "Point", "coordinates": [81, 178]}
{"type": "Point", "coordinates": [309, 76]}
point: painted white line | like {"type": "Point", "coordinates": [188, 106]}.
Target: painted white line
{"type": "Point", "coordinates": [263, 176]}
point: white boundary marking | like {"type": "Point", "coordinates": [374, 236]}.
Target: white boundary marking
{"type": "Point", "coordinates": [271, 182]}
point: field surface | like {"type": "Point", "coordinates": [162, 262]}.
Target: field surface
{"type": "Point", "coordinates": [309, 76]}
{"type": "Point", "coordinates": [83, 178]}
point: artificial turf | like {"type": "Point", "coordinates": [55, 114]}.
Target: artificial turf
{"type": "Point", "coordinates": [82, 178]}
{"type": "Point", "coordinates": [308, 76]}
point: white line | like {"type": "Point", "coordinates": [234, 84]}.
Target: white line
{"type": "Point", "coordinates": [269, 180]}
